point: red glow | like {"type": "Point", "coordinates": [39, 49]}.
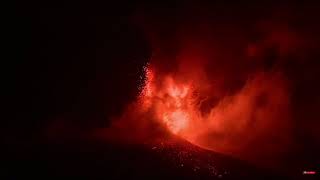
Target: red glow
{"type": "Point", "coordinates": [176, 121]}
{"type": "Point", "coordinates": [309, 172]}
{"type": "Point", "coordinates": [171, 101]}
{"type": "Point", "coordinates": [218, 93]}
{"type": "Point", "coordinates": [177, 101]}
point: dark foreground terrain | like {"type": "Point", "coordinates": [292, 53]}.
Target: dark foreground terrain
{"type": "Point", "coordinates": [173, 159]}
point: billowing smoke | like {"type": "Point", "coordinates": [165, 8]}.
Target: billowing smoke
{"type": "Point", "coordinates": [218, 82]}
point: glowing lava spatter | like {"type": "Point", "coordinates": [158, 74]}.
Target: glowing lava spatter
{"type": "Point", "coordinates": [170, 100]}
{"type": "Point", "coordinates": [229, 125]}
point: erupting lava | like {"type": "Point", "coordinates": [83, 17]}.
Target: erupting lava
{"type": "Point", "coordinates": [171, 101]}
{"type": "Point", "coordinates": [231, 124]}
{"type": "Point", "coordinates": [207, 89]}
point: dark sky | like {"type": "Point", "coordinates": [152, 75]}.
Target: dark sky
{"type": "Point", "coordinates": [80, 59]}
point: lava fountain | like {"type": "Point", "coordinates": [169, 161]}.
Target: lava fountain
{"type": "Point", "coordinates": [207, 90]}
{"type": "Point", "coordinates": [231, 125]}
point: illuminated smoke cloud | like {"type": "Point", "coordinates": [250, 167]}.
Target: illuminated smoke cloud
{"type": "Point", "coordinates": [213, 86]}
